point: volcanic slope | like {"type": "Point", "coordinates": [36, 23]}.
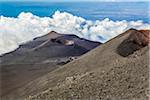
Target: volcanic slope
{"type": "Point", "coordinates": [38, 57]}
{"type": "Point", "coordinates": [116, 70]}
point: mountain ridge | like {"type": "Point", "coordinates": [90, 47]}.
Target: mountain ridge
{"type": "Point", "coordinates": [114, 77]}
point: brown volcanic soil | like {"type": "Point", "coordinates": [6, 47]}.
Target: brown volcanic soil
{"type": "Point", "coordinates": [101, 74]}
{"type": "Point", "coordinates": [36, 58]}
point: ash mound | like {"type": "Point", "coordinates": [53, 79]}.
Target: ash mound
{"type": "Point", "coordinates": [104, 73]}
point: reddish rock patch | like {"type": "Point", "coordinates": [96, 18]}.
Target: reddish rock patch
{"type": "Point", "coordinates": [140, 37]}
{"type": "Point", "coordinates": [146, 35]}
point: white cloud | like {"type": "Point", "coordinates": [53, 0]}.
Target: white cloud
{"type": "Point", "coordinates": [15, 31]}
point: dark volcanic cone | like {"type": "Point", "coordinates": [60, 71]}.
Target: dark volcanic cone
{"type": "Point", "coordinates": [52, 45]}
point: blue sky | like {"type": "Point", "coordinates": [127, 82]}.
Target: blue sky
{"type": "Point", "coordinates": [74, 0]}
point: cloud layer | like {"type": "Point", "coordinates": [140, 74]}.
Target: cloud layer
{"type": "Point", "coordinates": [26, 27]}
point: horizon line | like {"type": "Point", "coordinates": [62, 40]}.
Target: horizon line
{"type": "Point", "coordinates": [71, 1]}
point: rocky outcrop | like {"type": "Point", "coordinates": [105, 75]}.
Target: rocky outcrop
{"type": "Point", "coordinates": [145, 36]}
{"type": "Point", "coordinates": [135, 41]}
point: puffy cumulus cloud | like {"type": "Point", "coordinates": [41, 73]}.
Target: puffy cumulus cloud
{"type": "Point", "coordinates": [26, 27]}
